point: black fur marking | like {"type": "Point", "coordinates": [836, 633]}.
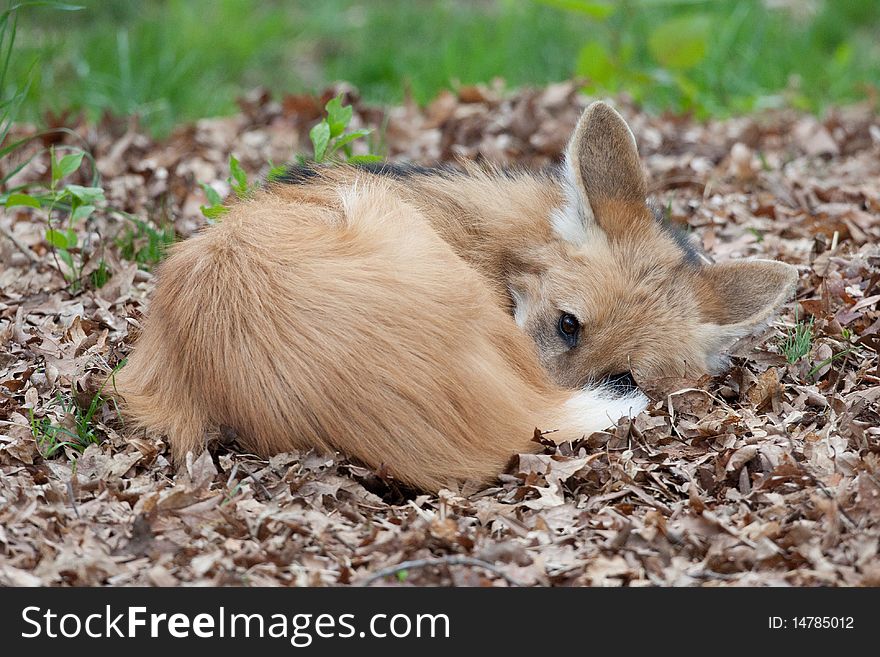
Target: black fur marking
{"type": "Point", "coordinates": [297, 174]}
{"type": "Point", "coordinates": [622, 384]}
{"type": "Point", "coordinates": [679, 236]}
{"type": "Point", "coordinates": [402, 171]}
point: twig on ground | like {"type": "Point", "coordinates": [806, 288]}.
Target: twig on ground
{"type": "Point", "coordinates": [72, 496]}
{"type": "Point", "coordinates": [260, 484]}
{"type": "Point", "coordinates": [21, 246]}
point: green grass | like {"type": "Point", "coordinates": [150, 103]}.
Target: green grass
{"type": "Point", "coordinates": [797, 341]}
{"type": "Point", "coordinates": [75, 431]}
{"type": "Point", "coordinates": [144, 244]}
{"type": "Point", "coordinates": [175, 60]}
{"type": "Point", "coordinates": [77, 428]}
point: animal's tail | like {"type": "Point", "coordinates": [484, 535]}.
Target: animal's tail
{"type": "Point", "coordinates": [162, 386]}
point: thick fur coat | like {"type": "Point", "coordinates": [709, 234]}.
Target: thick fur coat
{"type": "Point", "coordinates": [427, 322]}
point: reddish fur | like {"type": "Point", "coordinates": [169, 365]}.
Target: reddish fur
{"type": "Point", "coordinates": [373, 316]}
{"type": "Point", "coordinates": [364, 334]}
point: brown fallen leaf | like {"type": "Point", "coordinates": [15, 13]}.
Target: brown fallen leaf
{"type": "Point", "coordinates": [651, 502]}
{"type": "Point", "coordinates": [766, 388]}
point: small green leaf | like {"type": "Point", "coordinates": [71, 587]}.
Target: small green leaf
{"type": "Point", "coordinates": [238, 180]}
{"type": "Point", "coordinates": [88, 195]}
{"type": "Point", "coordinates": [364, 159]}
{"type": "Point", "coordinates": [349, 137]}
{"type": "Point", "coordinates": [213, 211]}
{"type": "Point", "coordinates": [22, 199]}
{"type": "Point", "coordinates": [65, 256]}
{"type": "Point", "coordinates": [211, 194]}
{"type": "Point", "coordinates": [338, 116]}
{"type": "Point", "coordinates": [320, 136]}
{"type": "Point", "coordinates": [56, 171]}
{"type": "Point", "coordinates": [101, 275]}
{"type": "Point", "coordinates": [56, 238]}
{"type": "Point", "coordinates": [68, 164]}
{"type": "Point", "coordinates": [71, 238]}
{"type": "Point", "coordinates": [276, 172]}
{"type": "Point", "coordinates": [82, 213]}
{"type": "Point", "coordinates": [681, 42]}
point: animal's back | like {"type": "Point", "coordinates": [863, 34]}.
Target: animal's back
{"type": "Point", "coordinates": [340, 321]}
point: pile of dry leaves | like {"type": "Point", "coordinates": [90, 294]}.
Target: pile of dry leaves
{"type": "Point", "coordinates": [768, 475]}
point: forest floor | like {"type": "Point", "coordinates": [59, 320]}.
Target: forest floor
{"type": "Point", "coordinates": [768, 475]}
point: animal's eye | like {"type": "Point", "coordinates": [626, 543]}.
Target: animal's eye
{"type": "Point", "coordinates": [569, 326]}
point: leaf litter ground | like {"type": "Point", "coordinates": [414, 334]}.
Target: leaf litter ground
{"type": "Point", "coordinates": [768, 475]}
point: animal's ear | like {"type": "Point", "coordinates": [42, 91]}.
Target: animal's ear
{"type": "Point", "coordinates": [604, 159]}
{"type": "Point", "coordinates": [602, 164]}
{"type": "Point", "coordinates": [736, 297]}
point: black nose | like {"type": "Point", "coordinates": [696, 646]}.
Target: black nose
{"type": "Point", "coordinates": [623, 382]}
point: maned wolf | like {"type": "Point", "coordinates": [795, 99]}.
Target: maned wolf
{"type": "Point", "coordinates": [428, 321]}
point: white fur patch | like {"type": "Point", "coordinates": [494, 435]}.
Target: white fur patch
{"type": "Point", "coordinates": [368, 203]}
{"type": "Point", "coordinates": [571, 220]}
{"type": "Point", "coordinates": [574, 222]}
{"type": "Point", "coordinates": [520, 308]}
{"type": "Point", "coordinates": [597, 409]}
{"type": "Point", "coordinates": [351, 199]}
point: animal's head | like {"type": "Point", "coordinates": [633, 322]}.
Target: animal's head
{"type": "Point", "coordinates": [616, 291]}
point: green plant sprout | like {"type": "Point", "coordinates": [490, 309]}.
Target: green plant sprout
{"type": "Point", "coordinates": [331, 142]}
{"type": "Point", "coordinates": [798, 340]}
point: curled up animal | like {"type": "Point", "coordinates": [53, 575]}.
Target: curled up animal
{"type": "Point", "coordinates": [427, 321]}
